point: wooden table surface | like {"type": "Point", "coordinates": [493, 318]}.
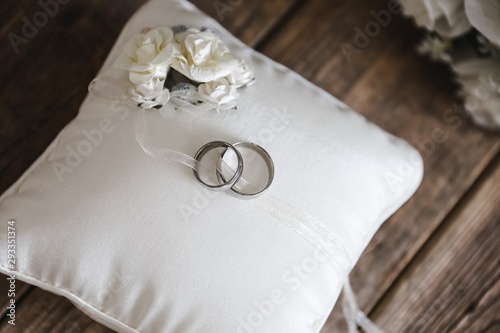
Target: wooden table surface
{"type": "Point", "coordinates": [434, 266]}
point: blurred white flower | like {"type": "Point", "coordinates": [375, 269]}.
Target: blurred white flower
{"type": "Point", "coordinates": [436, 47]}
{"type": "Point", "coordinates": [202, 57]}
{"type": "Point", "coordinates": [480, 87]}
{"type": "Point", "coordinates": [219, 91]}
{"type": "Point", "coordinates": [147, 56]}
{"type": "Point", "coordinates": [475, 60]}
{"type": "Point", "coordinates": [150, 94]}
{"type": "Point", "coordinates": [484, 112]}
{"type": "Point", "coordinates": [484, 15]}
{"type": "Point", "coordinates": [446, 17]}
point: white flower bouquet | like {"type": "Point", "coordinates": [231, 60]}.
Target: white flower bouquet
{"type": "Point", "coordinates": [466, 35]}
{"type": "Point", "coordinates": [189, 67]}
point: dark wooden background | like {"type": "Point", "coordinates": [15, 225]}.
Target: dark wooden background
{"type": "Point", "coordinates": [433, 267]}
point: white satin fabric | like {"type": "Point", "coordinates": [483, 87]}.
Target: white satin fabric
{"type": "Point", "coordinates": [139, 245]}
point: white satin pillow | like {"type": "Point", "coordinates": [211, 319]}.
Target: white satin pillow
{"type": "Point", "coordinates": [140, 246]}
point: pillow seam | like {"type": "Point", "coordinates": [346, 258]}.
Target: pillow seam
{"type": "Point", "coordinates": [77, 299]}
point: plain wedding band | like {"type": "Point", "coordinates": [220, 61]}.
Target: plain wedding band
{"type": "Point", "coordinates": [225, 184]}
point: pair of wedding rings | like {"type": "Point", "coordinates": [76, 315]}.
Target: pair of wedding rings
{"type": "Point", "coordinates": [225, 181]}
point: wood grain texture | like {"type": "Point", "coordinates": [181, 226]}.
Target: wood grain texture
{"type": "Point", "coordinates": [385, 81]}
{"type": "Point", "coordinates": [44, 312]}
{"type": "Point", "coordinates": [484, 315]}
{"type": "Point", "coordinates": [250, 21]}
{"type": "Point", "coordinates": [441, 291]}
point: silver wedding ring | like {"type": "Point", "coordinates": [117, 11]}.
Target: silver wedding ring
{"type": "Point", "coordinates": [231, 183]}
{"type": "Point", "coordinates": [226, 184]}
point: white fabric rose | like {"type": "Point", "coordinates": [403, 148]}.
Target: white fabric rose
{"type": "Point", "coordinates": [484, 15]}
{"type": "Point", "coordinates": [150, 94]}
{"type": "Point", "coordinates": [148, 56]}
{"type": "Point", "coordinates": [202, 57]}
{"type": "Point", "coordinates": [219, 91]}
{"type": "Point", "coordinates": [241, 75]}
{"type": "Point", "coordinates": [446, 17]}
{"type": "Point", "coordinates": [196, 54]}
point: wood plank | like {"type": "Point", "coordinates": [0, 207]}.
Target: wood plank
{"type": "Point", "coordinates": [45, 312]}
{"type": "Point", "coordinates": [31, 114]}
{"type": "Point", "coordinates": [408, 96]}
{"type": "Point", "coordinates": [250, 21]}
{"type": "Point", "coordinates": [310, 42]}
{"type": "Point", "coordinates": [453, 284]}
{"type": "Point", "coordinates": [484, 317]}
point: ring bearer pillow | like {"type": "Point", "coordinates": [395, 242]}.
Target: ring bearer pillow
{"type": "Point", "coordinates": [112, 217]}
